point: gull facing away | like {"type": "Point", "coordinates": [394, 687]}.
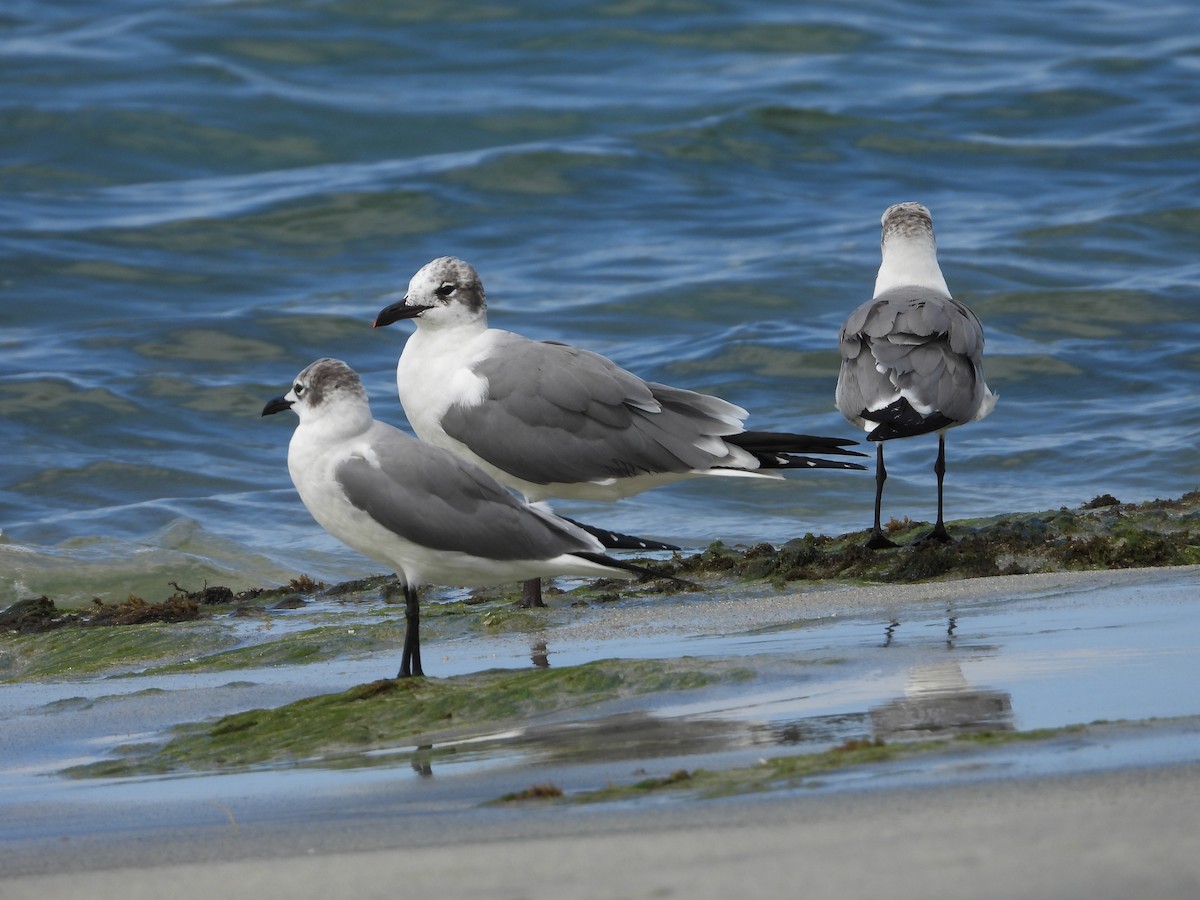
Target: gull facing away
{"type": "Point", "coordinates": [912, 355]}
{"type": "Point", "coordinates": [430, 515]}
{"type": "Point", "coordinates": [552, 420]}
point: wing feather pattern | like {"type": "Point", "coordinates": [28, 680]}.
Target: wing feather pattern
{"type": "Point", "coordinates": [916, 343]}
{"type": "Point", "coordinates": [556, 413]}
{"type": "Point", "coordinates": [431, 497]}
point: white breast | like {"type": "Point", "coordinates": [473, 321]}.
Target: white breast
{"type": "Point", "coordinates": [434, 373]}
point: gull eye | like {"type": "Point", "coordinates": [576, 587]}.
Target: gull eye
{"type": "Point", "coordinates": [298, 388]}
{"type": "Point", "coordinates": [446, 289]}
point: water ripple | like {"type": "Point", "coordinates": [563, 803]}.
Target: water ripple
{"type": "Point", "coordinates": [202, 197]}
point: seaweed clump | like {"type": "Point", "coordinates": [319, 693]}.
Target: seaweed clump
{"type": "Point", "coordinates": [1102, 534]}
{"type": "Point", "coordinates": [39, 614]}
{"type": "Point", "coordinates": [35, 615]}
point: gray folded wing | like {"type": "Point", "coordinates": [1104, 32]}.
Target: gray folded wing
{"type": "Point", "coordinates": [432, 498]}
{"type": "Point", "coordinates": [555, 413]}
{"type": "Point", "coordinates": [917, 341]}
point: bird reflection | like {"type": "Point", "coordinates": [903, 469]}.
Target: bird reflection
{"type": "Point", "coordinates": [539, 655]}
{"type": "Point", "coordinates": [890, 632]}
{"type": "Point", "coordinates": [938, 701]}
{"type": "Point", "coordinates": [422, 761]}
{"type": "Point", "coordinates": [629, 736]}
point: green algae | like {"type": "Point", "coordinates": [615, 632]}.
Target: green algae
{"type": "Point", "coordinates": [77, 652]}
{"type": "Point", "coordinates": [535, 792]}
{"type": "Point", "coordinates": [78, 704]}
{"type": "Point", "coordinates": [203, 646]}
{"type": "Point", "coordinates": [317, 644]}
{"type": "Point", "coordinates": [788, 772]}
{"type": "Point", "coordinates": [1103, 534]}
{"type": "Point", "coordinates": [389, 713]}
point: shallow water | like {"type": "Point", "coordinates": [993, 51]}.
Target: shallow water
{"type": "Point", "coordinates": [1035, 652]}
{"type": "Point", "coordinates": [202, 197]}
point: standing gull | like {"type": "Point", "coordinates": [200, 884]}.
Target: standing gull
{"type": "Point", "coordinates": [430, 515]}
{"type": "Point", "coordinates": [912, 355]}
{"type": "Point", "coordinates": [551, 420]}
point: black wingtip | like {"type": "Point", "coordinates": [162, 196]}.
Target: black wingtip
{"type": "Point", "coordinates": [643, 571]}
{"type": "Point", "coordinates": [787, 442]}
{"type": "Point", "coordinates": [614, 540]}
{"type": "Point", "coordinates": [787, 461]}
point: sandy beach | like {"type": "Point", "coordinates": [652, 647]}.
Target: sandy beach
{"type": "Point", "coordinates": [1119, 834]}
{"type": "Point", "coordinates": [198, 682]}
{"type": "Point", "coordinates": [1108, 810]}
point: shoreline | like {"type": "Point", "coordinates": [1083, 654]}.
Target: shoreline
{"type": "Point", "coordinates": [1103, 534]}
{"type": "Point", "coordinates": [979, 819]}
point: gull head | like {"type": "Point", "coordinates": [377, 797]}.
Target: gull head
{"type": "Point", "coordinates": [446, 291]}
{"type": "Point", "coordinates": [906, 220]}
{"type": "Point", "coordinates": [909, 250]}
{"type": "Point", "coordinates": [326, 388]}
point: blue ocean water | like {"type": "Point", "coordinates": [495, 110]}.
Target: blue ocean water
{"type": "Point", "coordinates": [199, 198]}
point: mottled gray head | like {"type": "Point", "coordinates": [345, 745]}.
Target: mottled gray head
{"type": "Point", "coordinates": [906, 220]}
{"type": "Point", "coordinates": [325, 380]}
{"type": "Point", "coordinates": [322, 384]}
{"type": "Point", "coordinates": [445, 291]}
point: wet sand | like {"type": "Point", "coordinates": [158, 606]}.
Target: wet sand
{"type": "Point", "coordinates": [1119, 834]}
{"type": "Point", "coordinates": [1110, 812]}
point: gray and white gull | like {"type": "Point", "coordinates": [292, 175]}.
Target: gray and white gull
{"type": "Point", "coordinates": [430, 515]}
{"type": "Point", "coordinates": [912, 355]}
{"type": "Point", "coordinates": [552, 420]}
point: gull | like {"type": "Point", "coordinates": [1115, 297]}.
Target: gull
{"type": "Point", "coordinates": [430, 515]}
{"type": "Point", "coordinates": [912, 355]}
{"type": "Point", "coordinates": [551, 420]}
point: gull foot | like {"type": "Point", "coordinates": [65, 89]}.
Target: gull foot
{"type": "Point", "coordinates": [878, 542]}
{"type": "Point", "coordinates": [939, 535]}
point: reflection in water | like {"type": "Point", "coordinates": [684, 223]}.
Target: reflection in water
{"type": "Point", "coordinates": [422, 760]}
{"type": "Point", "coordinates": [616, 738]}
{"type": "Point", "coordinates": [890, 632]}
{"type": "Point", "coordinates": [939, 702]}
{"type": "Point", "coordinates": [819, 730]}
{"type": "Point", "coordinates": [636, 735]}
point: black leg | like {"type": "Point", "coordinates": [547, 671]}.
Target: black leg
{"type": "Point", "coordinates": [939, 469]}
{"type": "Point", "coordinates": [939, 532]}
{"type": "Point", "coordinates": [410, 661]}
{"type": "Point", "coordinates": [531, 593]}
{"type": "Point", "coordinates": [877, 541]}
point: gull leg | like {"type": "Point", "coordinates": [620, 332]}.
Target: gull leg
{"type": "Point", "coordinates": [939, 532]}
{"type": "Point", "coordinates": [410, 661]}
{"type": "Point", "coordinates": [531, 593]}
{"type": "Point", "coordinates": [877, 541]}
